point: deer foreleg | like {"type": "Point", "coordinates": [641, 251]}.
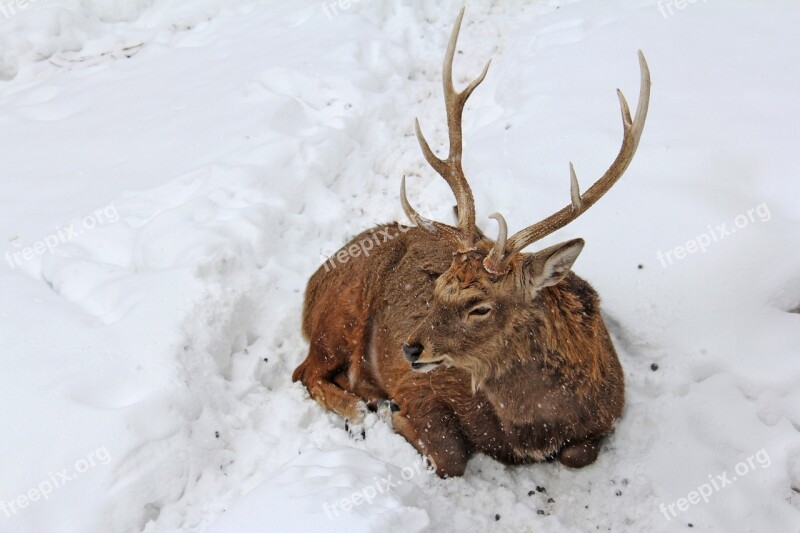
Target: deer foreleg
{"type": "Point", "coordinates": [436, 435]}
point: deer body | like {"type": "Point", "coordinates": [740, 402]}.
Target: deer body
{"type": "Point", "coordinates": [482, 348]}
{"type": "Point", "coordinates": [543, 398]}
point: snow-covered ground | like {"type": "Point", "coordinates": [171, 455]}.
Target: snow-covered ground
{"type": "Point", "coordinates": [172, 173]}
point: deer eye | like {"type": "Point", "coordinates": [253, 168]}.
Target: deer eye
{"type": "Point", "coordinates": [480, 310]}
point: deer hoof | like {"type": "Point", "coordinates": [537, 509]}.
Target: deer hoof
{"type": "Point", "coordinates": [355, 430]}
{"type": "Point", "coordinates": [579, 455]}
{"type": "Point", "coordinates": [385, 410]}
{"type": "Point", "coordinates": [388, 404]}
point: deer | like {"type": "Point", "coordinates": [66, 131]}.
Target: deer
{"type": "Point", "coordinates": [466, 344]}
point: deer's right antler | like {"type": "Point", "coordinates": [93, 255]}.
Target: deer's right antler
{"type": "Point", "coordinates": [450, 168]}
{"type": "Point", "coordinates": [498, 258]}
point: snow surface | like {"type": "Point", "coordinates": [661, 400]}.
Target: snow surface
{"type": "Point", "coordinates": [210, 154]}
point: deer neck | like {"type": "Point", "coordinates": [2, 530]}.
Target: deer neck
{"type": "Point", "coordinates": [549, 348]}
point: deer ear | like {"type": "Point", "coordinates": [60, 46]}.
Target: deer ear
{"type": "Point", "coordinates": [549, 266]}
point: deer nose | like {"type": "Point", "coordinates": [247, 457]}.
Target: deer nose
{"type": "Point", "coordinates": [412, 351]}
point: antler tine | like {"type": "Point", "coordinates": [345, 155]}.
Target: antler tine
{"type": "Point", "coordinates": [632, 132]}
{"type": "Point", "coordinates": [493, 262]}
{"type": "Point", "coordinates": [450, 168]}
{"type": "Point", "coordinates": [428, 225]}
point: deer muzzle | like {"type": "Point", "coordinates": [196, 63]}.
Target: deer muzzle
{"type": "Point", "coordinates": [413, 352]}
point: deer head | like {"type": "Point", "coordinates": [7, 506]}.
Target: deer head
{"type": "Point", "coordinates": [485, 302]}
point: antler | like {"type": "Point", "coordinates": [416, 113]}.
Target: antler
{"type": "Point", "coordinates": [632, 132]}
{"type": "Point", "coordinates": [431, 226]}
{"type": "Point", "coordinates": [450, 168]}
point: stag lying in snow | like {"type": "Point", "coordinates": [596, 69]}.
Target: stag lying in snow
{"type": "Point", "coordinates": [468, 344]}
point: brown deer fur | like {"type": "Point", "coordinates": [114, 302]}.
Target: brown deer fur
{"type": "Point", "coordinates": [506, 355]}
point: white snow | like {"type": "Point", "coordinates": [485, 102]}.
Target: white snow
{"type": "Point", "coordinates": [173, 172]}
